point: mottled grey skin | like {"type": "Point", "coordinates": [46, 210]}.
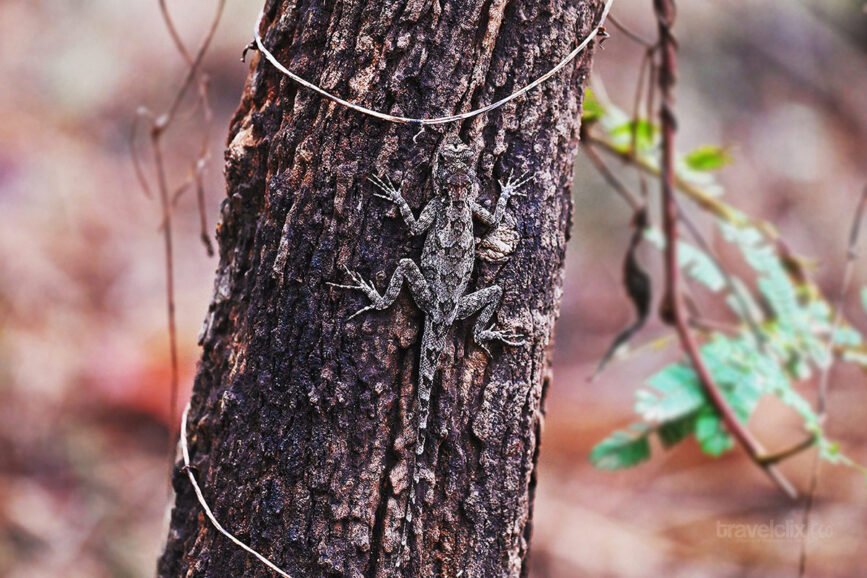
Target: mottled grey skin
{"type": "Point", "coordinates": [439, 285]}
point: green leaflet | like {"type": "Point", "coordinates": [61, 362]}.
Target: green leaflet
{"type": "Point", "coordinates": [671, 394]}
{"type": "Point", "coordinates": [592, 109]}
{"type": "Point", "coordinates": [644, 134]}
{"type": "Point", "coordinates": [847, 337]}
{"type": "Point", "coordinates": [674, 432]}
{"type": "Point", "coordinates": [622, 449]}
{"type": "Point", "coordinates": [742, 302]}
{"type": "Point", "coordinates": [711, 434]}
{"type": "Point", "coordinates": [740, 370]}
{"type": "Point", "coordinates": [707, 158]}
{"type": "Point", "coordinates": [695, 262]}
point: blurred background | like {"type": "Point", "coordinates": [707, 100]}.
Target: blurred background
{"type": "Point", "coordinates": [84, 366]}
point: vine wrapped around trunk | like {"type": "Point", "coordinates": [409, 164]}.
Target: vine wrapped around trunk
{"type": "Point", "coordinates": [302, 424]}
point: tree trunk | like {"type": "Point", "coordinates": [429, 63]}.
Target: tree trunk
{"type": "Point", "coordinates": [302, 422]}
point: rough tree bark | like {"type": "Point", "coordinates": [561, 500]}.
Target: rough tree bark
{"type": "Point", "coordinates": [301, 426]}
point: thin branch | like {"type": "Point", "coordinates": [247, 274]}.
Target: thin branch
{"type": "Point", "coordinates": [808, 512]}
{"type": "Point", "coordinates": [633, 200]}
{"type": "Point", "coordinates": [728, 280]}
{"type": "Point", "coordinates": [158, 127]}
{"type": "Point", "coordinates": [673, 300]}
{"type": "Point", "coordinates": [165, 202]}
{"type": "Point", "coordinates": [651, 86]}
{"type": "Point", "coordinates": [162, 122]}
{"type": "Point", "coordinates": [204, 236]}
{"type": "Point", "coordinates": [141, 113]}
{"type": "Point", "coordinates": [631, 34]}
{"type": "Point", "coordinates": [848, 274]}
{"type": "Point", "coordinates": [202, 162]}
{"type": "Point", "coordinates": [699, 196]}
{"type": "Point", "coordinates": [789, 452]}
{"type": "Point", "coordinates": [825, 377]}
{"type": "Point", "coordinates": [795, 266]}
{"type": "Point", "coordinates": [713, 326]}
{"type": "Point", "coordinates": [646, 62]}
{"type": "Point", "coordinates": [199, 166]}
{"type": "Point", "coordinates": [173, 32]}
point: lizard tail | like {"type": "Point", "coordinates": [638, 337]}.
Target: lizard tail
{"type": "Point", "coordinates": [433, 341]}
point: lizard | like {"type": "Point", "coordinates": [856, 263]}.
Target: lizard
{"type": "Point", "coordinates": [439, 285]}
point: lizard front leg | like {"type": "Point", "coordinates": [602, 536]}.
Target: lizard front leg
{"type": "Point", "coordinates": [485, 301]}
{"type": "Point", "coordinates": [508, 190]}
{"type": "Point", "coordinates": [406, 270]}
{"type": "Point", "coordinates": [391, 193]}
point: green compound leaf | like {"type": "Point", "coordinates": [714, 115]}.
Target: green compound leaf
{"type": "Point", "coordinates": [622, 449]}
{"type": "Point", "coordinates": [785, 327]}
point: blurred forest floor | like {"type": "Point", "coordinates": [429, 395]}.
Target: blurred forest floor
{"type": "Point", "coordinates": [83, 355]}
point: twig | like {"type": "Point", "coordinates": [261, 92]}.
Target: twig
{"type": "Point", "coordinates": [165, 202]}
{"type": "Point", "coordinates": [204, 236]}
{"type": "Point", "coordinates": [200, 165]}
{"type": "Point", "coordinates": [631, 34]}
{"type": "Point", "coordinates": [712, 325]}
{"type": "Point", "coordinates": [808, 511]}
{"type": "Point", "coordinates": [795, 266]}
{"type": "Point", "coordinates": [825, 377]}
{"type": "Point", "coordinates": [141, 113]}
{"type": "Point", "coordinates": [848, 274]}
{"type": "Point", "coordinates": [646, 62]}
{"type": "Point", "coordinates": [650, 63]}
{"type": "Point", "coordinates": [702, 198]}
{"type": "Point", "coordinates": [673, 300]}
{"type": "Point", "coordinates": [634, 202]}
{"type": "Point", "coordinates": [728, 280]}
{"type": "Point", "coordinates": [194, 63]}
{"type": "Point", "coordinates": [789, 452]}
{"type": "Point", "coordinates": [158, 127]}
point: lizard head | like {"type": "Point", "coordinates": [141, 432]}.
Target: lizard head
{"type": "Point", "coordinates": [454, 171]}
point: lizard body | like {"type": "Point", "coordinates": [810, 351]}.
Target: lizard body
{"type": "Point", "coordinates": [439, 285]}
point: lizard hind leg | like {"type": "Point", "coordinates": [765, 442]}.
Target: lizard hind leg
{"type": "Point", "coordinates": [485, 302]}
{"type": "Point", "coordinates": [406, 270]}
